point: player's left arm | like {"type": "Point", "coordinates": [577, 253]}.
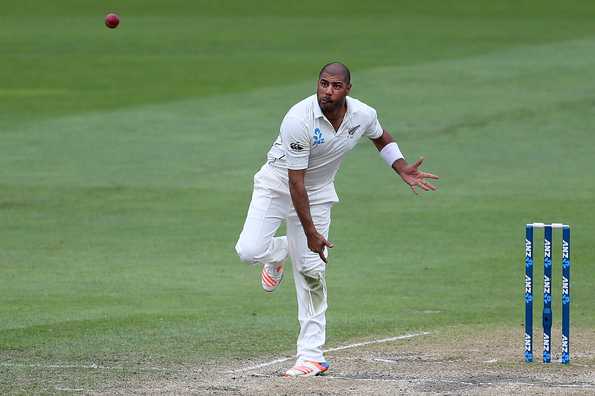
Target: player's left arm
{"type": "Point", "coordinates": [410, 174]}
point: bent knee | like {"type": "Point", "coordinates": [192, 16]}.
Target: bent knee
{"type": "Point", "coordinates": [250, 252]}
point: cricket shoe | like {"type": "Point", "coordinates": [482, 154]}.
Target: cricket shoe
{"type": "Point", "coordinates": [271, 276]}
{"type": "Point", "coordinates": [308, 368]}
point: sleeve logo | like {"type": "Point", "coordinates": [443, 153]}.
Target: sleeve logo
{"type": "Point", "coordinates": [295, 146]}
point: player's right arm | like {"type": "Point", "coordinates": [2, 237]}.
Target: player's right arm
{"type": "Point", "coordinates": [296, 142]}
{"type": "Point", "coordinates": [299, 196]}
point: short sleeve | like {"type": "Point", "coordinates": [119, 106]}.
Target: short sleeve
{"type": "Point", "coordinates": [296, 142]}
{"type": "Point", "coordinates": [374, 130]}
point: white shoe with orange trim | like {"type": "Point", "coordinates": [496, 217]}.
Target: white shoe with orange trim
{"type": "Point", "coordinates": [307, 369]}
{"type": "Point", "coordinates": [271, 276]}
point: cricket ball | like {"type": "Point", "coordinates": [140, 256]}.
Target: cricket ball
{"type": "Point", "coordinates": [112, 20]}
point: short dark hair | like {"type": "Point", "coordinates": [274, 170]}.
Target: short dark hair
{"type": "Point", "coordinates": [337, 68]}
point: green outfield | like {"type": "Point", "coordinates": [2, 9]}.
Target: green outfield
{"type": "Point", "coordinates": [127, 155]}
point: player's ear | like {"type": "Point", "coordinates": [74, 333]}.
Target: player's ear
{"type": "Point", "coordinates": [348, 88]}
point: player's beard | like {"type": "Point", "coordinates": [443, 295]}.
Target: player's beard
{"type": "Point", "coordinates": [330, 107]}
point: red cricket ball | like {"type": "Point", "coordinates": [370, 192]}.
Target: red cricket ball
{"type": "Point", "coordinates": [112, 20]}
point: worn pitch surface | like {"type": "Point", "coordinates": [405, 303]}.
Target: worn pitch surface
{"type": "Point", "coordinates": [454, 360]}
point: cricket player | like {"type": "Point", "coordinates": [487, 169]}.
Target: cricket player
{"type": "Point", "coordinates": [296, 185]}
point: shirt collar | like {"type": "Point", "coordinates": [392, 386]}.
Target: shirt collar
{"type": "Point", "coordinates": [317, 110]}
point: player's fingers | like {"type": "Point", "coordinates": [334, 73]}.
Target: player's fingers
{"type": "Point", "coordinates": [413, 189]}
{"type": "Point", "coordinates": [429, 175]}
{"type": "Point", "coordinates": [427, 186]}
{"type": "Point", "coordinates": [418, 162]}
{"type": "Point", "coordinates": [321, 254]}
{"type": "Point", "coordinates": [423, 186]}
{"type": "Point", "coordinates": [329, 243]}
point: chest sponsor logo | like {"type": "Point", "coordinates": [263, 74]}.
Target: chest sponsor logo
{"type": "Point", "coordinates": [318, 138]}
{"type": "Point", "coordinates": [295, 146]}
{"type": "Point", "coordinates": [351, 131]}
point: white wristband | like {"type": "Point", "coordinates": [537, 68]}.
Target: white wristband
{"type": "Point", "coordinates": [390, 153]}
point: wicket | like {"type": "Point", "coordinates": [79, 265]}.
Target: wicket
{"type": "Point", "coordinates": [547, 292]}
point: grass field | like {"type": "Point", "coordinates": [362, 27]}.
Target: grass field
{"type": "Point", "coordinates": [127, 155]}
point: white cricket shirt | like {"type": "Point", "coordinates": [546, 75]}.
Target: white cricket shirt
{"type": "Point", "coordinates": [307, 140]}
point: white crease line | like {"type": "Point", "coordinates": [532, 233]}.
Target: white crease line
{"type": "Point", "coordinates": [358, 344]}
{"type": "Point", "coordinates": [571, 385]}
{"type": "Point", "coordinates": [281, 360]}
{"type": "Point", "coordinates": [83, 366]}
{"type": "Point", "coordinates": [69, 389]}
{"type": "Point", "coordinates": [364, 379]}
{"type": "Point", "coordinates": [421, 380]}
{"type": "Point", "coordinates": [384, 360]}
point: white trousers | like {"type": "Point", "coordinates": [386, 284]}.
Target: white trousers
{"type": "Point", "coordinates": [270, 206]}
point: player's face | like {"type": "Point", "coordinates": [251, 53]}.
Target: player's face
{"type": "Point", "coordinates": [331, 92]}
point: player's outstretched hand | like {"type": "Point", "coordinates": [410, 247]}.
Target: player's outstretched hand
{"type": "Point", "coordinates": [414, 177]}
{"type": "Point", "coordinates": [317, 242]}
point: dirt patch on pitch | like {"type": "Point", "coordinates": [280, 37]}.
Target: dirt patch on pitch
{"type": "Point", "coordinates": [460, 360]}
{"type": "Point", "coordinates": [444, 362]}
